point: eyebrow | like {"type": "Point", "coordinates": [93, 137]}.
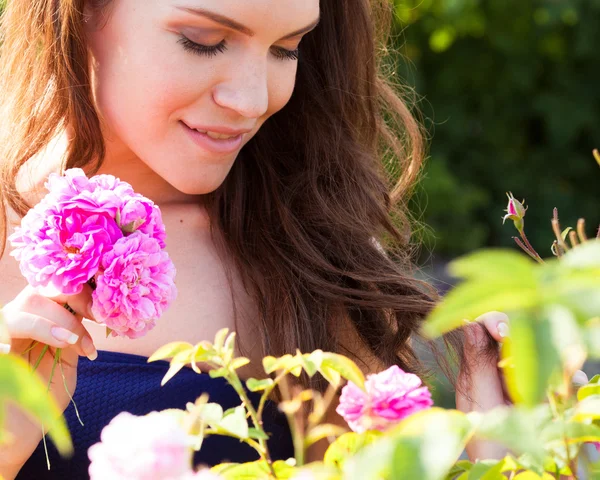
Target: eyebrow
{"type": "Point", "coordinates": [230, 23]}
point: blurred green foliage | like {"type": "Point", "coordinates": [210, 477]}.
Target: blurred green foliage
{"type": "Point", "coordinates": [510, 91]}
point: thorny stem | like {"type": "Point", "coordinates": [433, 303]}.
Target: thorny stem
{"type": "Point", "coordinates": [525, 249]}
{"type": "Point", "coordinates": [531, 249]}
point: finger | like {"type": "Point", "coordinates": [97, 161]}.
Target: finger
{"type": "Point", "coordinates": [480, 382]}
{"type": "Point", "coordinates": [45, 307]}
{"type": "Point", "coordinates": [80, 303]}
{"type": "Point", "coordinates": [496, 323]}
{"type": "Point", "coordinates": [28, 325]}
{"type": "Point", "coordinates": [580, 378]}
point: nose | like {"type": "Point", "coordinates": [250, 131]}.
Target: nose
{"type": "Point", "coordinates": [246, 90]}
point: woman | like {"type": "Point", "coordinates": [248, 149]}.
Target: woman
{"type": "Point", "coordinates": [271, 224]}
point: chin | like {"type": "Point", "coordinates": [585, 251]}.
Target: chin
{"type": "Point", "coordinates": [198, 185]}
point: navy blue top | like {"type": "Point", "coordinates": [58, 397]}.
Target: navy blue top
{"type": "Point", "coordinates": [117, 382]}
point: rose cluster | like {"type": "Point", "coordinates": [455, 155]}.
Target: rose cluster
{"type": "Point", "coordinates": [99, 231]}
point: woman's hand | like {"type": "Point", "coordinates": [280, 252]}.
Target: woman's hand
{"type": "Point", "coordinates": [480, 382]}
{"type": "Point", "coordinates": [30, 317]}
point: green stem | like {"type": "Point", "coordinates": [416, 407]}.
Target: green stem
{"type": "Point", "coordinates": [295, 429]}
{"type": "Point", "coordinates": [39, 359]}
{"type": "Point", "coordinates": [225, 433]}
{"type": "Point", "coordinates": [268, 390]}
{"type": "Point", "coordinates": [62, 373]}
{"type": "Point", "coordinates": [235, 382]}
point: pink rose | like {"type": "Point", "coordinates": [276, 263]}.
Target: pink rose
{"type": "Point", "coordinates": [139, 214]}
{"type": "Point", "coordinates": [60, 245]}
{"type": "Point", "coordinates": [152, 447]}
{"type": "Point", "coordinates": [390, 396]}
{"type": "Point", "coordinates": [134, 287]}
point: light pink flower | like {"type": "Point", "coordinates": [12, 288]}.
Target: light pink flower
{"type": "Point", "coordinates": [390, 396]}
{"type": "Point", "coordinates": [64, 187]}
{"type": "Point", "coordinates": [60, 245]}
{"type": "Point", "coordinates": [139, 214]}
{"type": "Point", "coordinates": [134, 287]}
{"type": "Point", "coordinates": [152, 447]}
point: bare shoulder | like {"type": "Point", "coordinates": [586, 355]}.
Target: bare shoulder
{"type": "Point", "coordinates": [11, 280]}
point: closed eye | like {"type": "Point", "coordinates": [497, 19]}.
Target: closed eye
{"type": "Point", "coordinates": [213, 50]}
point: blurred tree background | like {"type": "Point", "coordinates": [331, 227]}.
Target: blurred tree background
{"type": "Point", "coordinates": [510, 95]}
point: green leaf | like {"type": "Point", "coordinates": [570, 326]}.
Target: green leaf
{"type": "Point", "coordinates": [329, 374]}
{"type": "Point", "coordinates": [574, 432]}
{"type": "Point", "coordinates": [218, 372]}
{"type": "Point", "coordinates": [474, 298]}
{"type": "Point", "coordinates": [283, 470]}
{"type": "Point", "coordinates": [584, 256]}
{"type": "Point", "coordinates": [591, 334]}
{"type": "Point", "coordinates": [239, 362]}
{"type": "Point", "coordinates": [255, 385]}
{"type": "Point", "coordinates": [236, 423]}
{"type": "Point", "coordinates": [170, 350]}
{"type": "Point", "coordinates": [345, 367]}
{"type": "Point", "coordinates": [425, 445]}
{"type": "Point", "coordinates": [244, 471]}
{"type": "Point", "coordinates": [220, 339]}
{"type": "Point", "coordinates": [588, 408]}
{"type": "Point", "coordinates": [257, 434]}
{"type": "Point", "coordinates": [321, 431]}
{"type": "Point", "coordinates": [534, 358]}
{"type": "Point", "coordinates": [516, 428]}
{"type": "Point", "coordinates": [459, 467]}
{"type": "Point", "coordinates": [180, 360]}
{"type": "Point", "coordinates": [348, 445]}
{"type": "Point", "coordinates": [20, 385]}
{"type": "Point", "coordinates": [495, 264]}
{"type": "Point", "coordinates": [311, 362]}
{"type": "Point", "coordinates": [592, 388]}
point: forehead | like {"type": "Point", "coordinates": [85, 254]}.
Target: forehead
{"type": "Point", "coordinates": [274, 15]}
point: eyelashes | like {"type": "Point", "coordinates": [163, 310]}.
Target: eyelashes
{"type": "Point", "coordinates": [213, 50]}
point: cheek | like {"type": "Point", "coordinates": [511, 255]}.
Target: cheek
{"type": "Point", "coordinates": [281, 87]}
{"type": "Point", "coordinates": [141, 80]}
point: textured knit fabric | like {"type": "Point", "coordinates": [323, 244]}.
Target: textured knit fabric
{"type": "Point", "coordinates": [117, 382]}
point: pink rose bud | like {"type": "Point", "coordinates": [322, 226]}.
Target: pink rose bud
{"type": "Point", "coordinates": [389, 397]}
{"type": "Point", "coordinates": [515, 212]}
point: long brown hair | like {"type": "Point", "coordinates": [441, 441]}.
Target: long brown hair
{"type": "Point", "coordinates": [306, 211]}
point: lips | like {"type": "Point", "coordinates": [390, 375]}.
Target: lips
{"type": "Point", "coordinates": [215, 142]}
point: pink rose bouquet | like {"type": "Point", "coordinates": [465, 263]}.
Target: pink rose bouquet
{"type": "Point", "coordinates": [389, 397]}
{"type": "Point", "coordinates": [99, 231]}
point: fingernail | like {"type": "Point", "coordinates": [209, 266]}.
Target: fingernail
{"type": "Point", "coordinates": [580, 378]}
{"type": "Point", "coordinates": [503, 329]}
{"type": "Point", "coordinates": [4, 348]}
{"type": "Point", "coordinates": [63, 335]}
{"type": "Point", "coordinates": [88, 348]}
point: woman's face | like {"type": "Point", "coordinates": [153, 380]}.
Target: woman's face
{"type": "Point", "coordinates": [183, 85]}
